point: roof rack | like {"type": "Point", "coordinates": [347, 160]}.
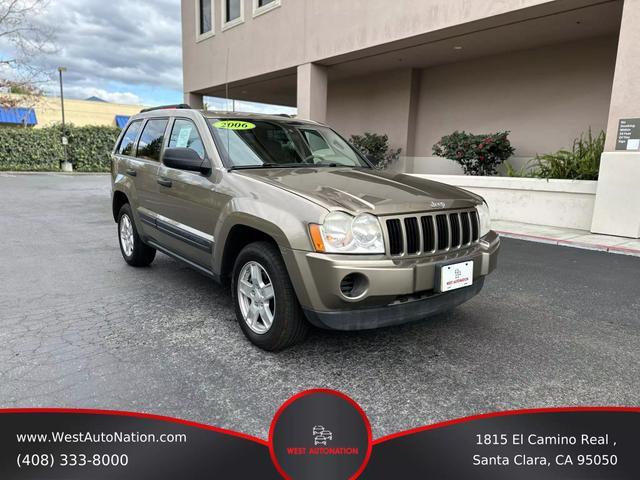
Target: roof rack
{"type": "Point", "coordinates": [180, 106]}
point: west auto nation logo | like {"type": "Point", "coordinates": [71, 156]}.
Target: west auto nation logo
{"type": "Point", "coordinates": [321, 435]}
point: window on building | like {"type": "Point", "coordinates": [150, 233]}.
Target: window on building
{"type": "Point", "coordinates": [263, 6]}
{"type": "Point", "coordinates": [150, 144]}
{"type": "Point", "coordinates": [233, 12]}
{"type": "Point", "coordinates": [205, 17]}
{"type": "Point", "coordinates": [185, 135]}
{"type": "Point", "coordinates": [127, 145]}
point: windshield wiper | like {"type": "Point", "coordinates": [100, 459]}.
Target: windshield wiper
{"type": "Point", "coordinates": [267, 165]}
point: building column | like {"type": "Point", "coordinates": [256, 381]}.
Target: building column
{"type": "Point", "coordinates": [312, 92]}
{"type": "Point", "coordinates": [194, 100]}
{"type": "Point", "coordinates": [617, 208]}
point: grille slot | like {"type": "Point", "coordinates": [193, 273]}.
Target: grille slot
{"type": "Point", "coordinates": [428, 234]}
{"type": "Point", "coordinates": [443, 232]}
{"type": "Point", "coordinates": [466, 228]}
{"type": "Point", "coordinates": [396, 241]}
{"type": "Point", "coordinates": [475, 228]}
{"type": "Point", "coordinates": [413, 235]}
{"type": "Point", "coordinates": [454, 220]}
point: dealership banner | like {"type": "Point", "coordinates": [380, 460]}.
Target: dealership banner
{"type": "Point", "coordinates": [321, 434]}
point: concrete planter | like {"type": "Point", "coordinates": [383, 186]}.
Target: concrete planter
{"type": "Point", "coordinates": [557, 203]}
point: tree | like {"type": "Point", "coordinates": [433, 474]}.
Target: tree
{"type": "Point", "coordinates": [22, 40]}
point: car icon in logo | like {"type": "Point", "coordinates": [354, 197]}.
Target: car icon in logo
{"type": "Point", "coordinates": [321, 435]}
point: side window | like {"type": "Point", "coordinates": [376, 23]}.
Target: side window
{"type": "Point", "coordinates": [127, 145]}
{"type": "Point", "coordinates": [150, 144]}
{"type": "Point", "coordinates": [185, 135]}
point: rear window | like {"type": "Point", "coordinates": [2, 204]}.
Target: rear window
{"type": "Point", "coordinates": [151, 140]}
{"type": "Point", "coordinates": [127, 145]}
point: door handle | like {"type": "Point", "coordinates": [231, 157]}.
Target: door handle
{"type": "Point", "coordinates": [131, 173]}
{"type": "Point", "coordinates": [165, 183]}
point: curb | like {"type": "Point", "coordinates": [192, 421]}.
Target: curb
{"type": "Point", "coordinates": [568, 243]}
{"type": "Point", "coordinates": [68, 174]}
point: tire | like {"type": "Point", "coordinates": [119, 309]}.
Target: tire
{"type": "Point", "coordinates": [137, 254]}
{"type": "Point", "coordinates": [289, 325]}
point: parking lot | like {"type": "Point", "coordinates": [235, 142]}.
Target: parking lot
{"type": "Point", "coordinates": [554, 326]}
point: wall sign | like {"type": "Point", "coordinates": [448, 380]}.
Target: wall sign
{"type": "Point", "coordinates": [628, 134]}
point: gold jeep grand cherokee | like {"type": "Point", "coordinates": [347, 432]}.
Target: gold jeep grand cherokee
{"type": "Point", "coordinates": [299, 223]}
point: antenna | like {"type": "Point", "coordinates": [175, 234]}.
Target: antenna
{"type": "Point", "coordinates": [226, 87]}
{"type": "Point", "coordinates": [226, 79]}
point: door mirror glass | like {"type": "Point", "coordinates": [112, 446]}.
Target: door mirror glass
{"type": "Point", "coordinates": [185, 159]}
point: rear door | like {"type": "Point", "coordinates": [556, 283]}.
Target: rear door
{"type": "Point", "coordinates": [187, 215]}
{"type": "Point", "coordinates": [148, 151]}
{"type": "Point", "coordinates": [131, 167]}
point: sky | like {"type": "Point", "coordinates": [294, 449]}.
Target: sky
{"type": "Point", "coordinates": [122, 51]}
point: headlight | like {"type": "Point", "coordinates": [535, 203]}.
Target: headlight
{"type": "Point", "coordinates": [342, 233]}
{"type": "Point", "coordinates": [485, 219]}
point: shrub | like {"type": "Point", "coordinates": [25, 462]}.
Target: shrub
{"type": "Point", "coordinates": [476, 154]}
{"type": "Point", "coordinates": [376, 148]}
{"type": "Point", "coordinates": [26, 149]}
{"type": "Point", "coordinates": [581, 163]}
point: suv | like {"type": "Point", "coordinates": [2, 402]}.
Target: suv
{"type": "Point", "coordinates": [299, 222]}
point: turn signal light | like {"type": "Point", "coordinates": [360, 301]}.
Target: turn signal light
{"type": "Point", "coordinates": [316, 237]}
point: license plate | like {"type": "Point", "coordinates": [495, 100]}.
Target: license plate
{"type": "Point", "coordinates": [457, 275]}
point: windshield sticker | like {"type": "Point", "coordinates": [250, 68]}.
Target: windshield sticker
{"type": "Point", "coordinates": [234, 125]}
{"type": "Point", "coordinates": [183, 137]}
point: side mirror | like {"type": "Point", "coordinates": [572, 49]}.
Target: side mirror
{"type": "Point", "coordinates": [185, 159]}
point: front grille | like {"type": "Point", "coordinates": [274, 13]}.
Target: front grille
{"type": "Point", "coordinates": [414, 235]}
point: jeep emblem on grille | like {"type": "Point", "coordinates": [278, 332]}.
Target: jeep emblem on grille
{"type": "Point", "coordinates": [438, 204]}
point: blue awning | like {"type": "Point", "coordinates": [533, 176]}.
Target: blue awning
{"type": "Point", "coordinates": [18, 116]}
{"type": "Point", "coordinates": [121, 120]}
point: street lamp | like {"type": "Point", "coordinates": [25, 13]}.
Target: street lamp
{"type": "Point", "coordinates": [66, 166]}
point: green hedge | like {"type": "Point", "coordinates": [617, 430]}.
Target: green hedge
{"type": "Point", "coordinates": [40, 150]}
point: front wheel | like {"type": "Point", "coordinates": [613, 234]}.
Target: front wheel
{"type": "Point", "coordinates": [266, 305]}
{"type": "Point", "coordinates": [134, 251]}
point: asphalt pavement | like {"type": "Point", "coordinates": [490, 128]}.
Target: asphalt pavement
{"type": "Point", "coordinates": [554, 326]}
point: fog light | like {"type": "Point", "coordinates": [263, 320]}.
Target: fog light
{"type": "Point", "coordinates": [354, 285]}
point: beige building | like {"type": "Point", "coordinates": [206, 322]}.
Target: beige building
{"type": "Point", "coordinates": [47, 111]}
{"type": "Point", "coordinates": [420, 69]}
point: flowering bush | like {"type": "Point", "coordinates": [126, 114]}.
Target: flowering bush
{"type": "Point", "coordinates": [476, 154]}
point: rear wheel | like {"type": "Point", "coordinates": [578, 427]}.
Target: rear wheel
{"type": "Point", "coordinates": [134, 251]}
{"type": "Point", "coordinates": [265, 302]}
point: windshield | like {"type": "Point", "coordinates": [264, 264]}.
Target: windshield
{"type": "Point", "coordinates": [251, 143]}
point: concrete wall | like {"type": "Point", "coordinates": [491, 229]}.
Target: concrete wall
{"type": "Point", "coordinates": [546, 97]}
{"type": "Point", "coordinates": [377, 105]}
{"type": "Point", "coordinates": [556, 203]}
{"type": "Point", "coordinates": [304, 31]}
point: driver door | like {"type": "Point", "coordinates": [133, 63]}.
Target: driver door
{"type": "Point", "coordinates": [187, 214]}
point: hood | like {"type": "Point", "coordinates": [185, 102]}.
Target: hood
{"type": "Point", "coordinates": [365, 190]}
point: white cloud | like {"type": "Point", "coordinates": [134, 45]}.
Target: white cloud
{"type": "Point", "coordinates": [117, 42]}
{"type": "Point", "coordinates": [113, 97]}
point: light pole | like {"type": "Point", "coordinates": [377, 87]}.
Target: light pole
{"type": "Point", "coordinates": [66, 166]}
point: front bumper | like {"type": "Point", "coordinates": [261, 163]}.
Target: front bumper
{"type": "Point", "coordinates": [394, 314]}
{"type": "Point", "coordinates": [397, 290]}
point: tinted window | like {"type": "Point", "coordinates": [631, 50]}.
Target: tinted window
{"type": "Point", "coordinates": [127, 145]}
{"type": "Point", "coordinates": [185, 135]}
{"type": "Point", "coordinates": [150, 144]}
{"type": "Point", "coordinates": [262, 3]}
{"type": "Point", "coordinates": [205, 16]}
